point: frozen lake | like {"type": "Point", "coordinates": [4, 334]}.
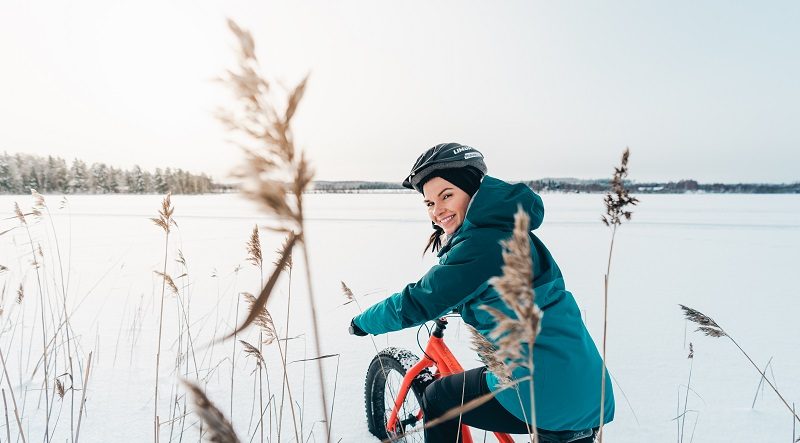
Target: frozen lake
{"type": "Point", "coordinates": [734, 257]}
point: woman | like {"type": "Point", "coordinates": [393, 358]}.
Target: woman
{"type": "Point", "coordinates": [471, 213]}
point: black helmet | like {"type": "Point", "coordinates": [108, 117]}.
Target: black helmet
{"type": "Point", "coordinates": [443, 156]}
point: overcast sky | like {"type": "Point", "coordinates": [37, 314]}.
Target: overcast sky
{"type": "Point", "coordinates": [708, 90]}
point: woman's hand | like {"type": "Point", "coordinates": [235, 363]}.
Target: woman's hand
{"type": "Point", "coordinates": [355, 330]}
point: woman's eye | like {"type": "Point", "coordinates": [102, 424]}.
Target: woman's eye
{"type": "Point", "coordinates": [429, 204]}
{"type": "Point", "coordinates": [446, 196]}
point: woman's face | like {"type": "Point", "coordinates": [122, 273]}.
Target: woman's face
{"type": "Point", "coordinates": [446, 203]}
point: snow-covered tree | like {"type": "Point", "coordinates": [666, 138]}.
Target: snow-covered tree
{"type": "Point", "coordinates": [99, 179]}
{"type": "Point", "coordinates": [78, 178]}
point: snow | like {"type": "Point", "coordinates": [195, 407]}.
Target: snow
{"type": "Point", "coordinates": [732, 257]}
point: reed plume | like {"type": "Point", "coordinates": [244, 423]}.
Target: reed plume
{"type": "Point", "coordinates": [488, 354]}
{"type": "Point", "coordinates": [515, 286]}
{"type": "Point", "coordinates": [60, 389]}
{"type": "Point", "coordinates": [516, 291]}
{"type": "Point", "coordinates": [38, 200]}
{"type": "Point", "coordinates": [254, 248]}
{"type": "Point", "coordinates": [275, 174]}
{"type": "Point", "coordinates": [348, 293]}
{"type": "Point", "coordinates": [709, 327]}
{"type": "Point", "coordinates": [253, 351]}
{"type": "Point", "coordinates": [165, 221]}
{"type": "Point", "coordinates": [219, 428]}
{"type": "Point", "coordinates": [289, 264]}
{"type": "Point", "coordinates": [18, 214]}
{"type": "Point", "coordinates": [617, 202]}
{"type": "Point", "coordinates": [169, 281]}
{"type": "Point", "coordinates": [263, 320]}
{"type": "Point", "coordinates": [619, 198]}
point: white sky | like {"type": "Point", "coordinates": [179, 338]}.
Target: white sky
{"type": "Point", "coordinates": [705, 90]}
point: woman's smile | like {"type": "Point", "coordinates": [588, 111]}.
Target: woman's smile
{"type": "Point", "coordinates": [445, 220]}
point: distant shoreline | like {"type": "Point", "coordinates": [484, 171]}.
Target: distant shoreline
{"type": "Point", "coordinates": [573, 186]}
{"type": "Point", "coordinates": [541, 186]}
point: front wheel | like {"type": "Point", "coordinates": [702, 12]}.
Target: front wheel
{"type": "Point", "coordinates": [384, 378]}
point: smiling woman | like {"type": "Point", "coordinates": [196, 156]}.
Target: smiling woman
{"type": "Point", "coordinates": [472, 214]}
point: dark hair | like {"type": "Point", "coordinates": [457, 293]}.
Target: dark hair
{"type": "Point", "coordinates": [435, 241]}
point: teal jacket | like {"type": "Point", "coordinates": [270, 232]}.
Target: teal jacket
{"type": "Point", "coordinates": [567, 366]}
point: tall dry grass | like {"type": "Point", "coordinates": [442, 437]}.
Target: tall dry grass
{"type": "Point", "coordinates": [36, 266]}
{"type": "Point", "coordinates": [709, 327]}
{"type": "Point", "coordinates": [275, 173]}
{"type": "Point", "coordinates": [515, 286]}
{"type": "Point", "coordinates": [165, 221]}
{"type": "Point", "coordinates": [41, 205]}
{"type": "Point", "coordinates": [617, 202]}
{"type": "Point", "coordinates": [59, 342]}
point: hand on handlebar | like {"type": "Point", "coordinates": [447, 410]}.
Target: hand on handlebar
{"type": "Point", "coordinates": [355, 330]}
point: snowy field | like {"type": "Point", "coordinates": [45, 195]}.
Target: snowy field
{"type": "Point", "coordinates": [733, 257]}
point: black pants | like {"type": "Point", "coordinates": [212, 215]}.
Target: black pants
{"type": "Point", "coordinates": [446, 393]}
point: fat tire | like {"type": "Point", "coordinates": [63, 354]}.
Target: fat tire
{"type": "Point", "coordinates": [389, 359]}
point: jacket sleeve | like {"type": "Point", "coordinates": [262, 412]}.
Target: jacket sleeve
{"type": "Point", "coordinates": [463, 274]}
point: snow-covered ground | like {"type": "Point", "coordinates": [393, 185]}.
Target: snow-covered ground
{"type": "Point", "coordinates": [733, 257]}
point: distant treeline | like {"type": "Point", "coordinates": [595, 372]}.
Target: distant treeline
{"type": "Point", "coordinates": [21, 172]}
{"type": "Point", "coordinates": [589, 186]}
{"type": "Point", "coordinates": [679, 187]}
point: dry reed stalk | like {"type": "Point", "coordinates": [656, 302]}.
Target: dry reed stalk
{"type": "Point", "coordinates": [688, 388]}
{"type": "Point", "coordinates": [760, 386]}
{"type": "Point", "coordinates": [219, 427]}
{"type": "Point", "coordinates": [13, 398]}
{"type": "Point", "coordinates": [37, 215]}
{"type": "Point", "coordinates": [710, 328]}
{"type": "Point", "coordinates": [275, 174]}
{"type": "Point", "coordinates": [165, 221]}
{"type": "Point", "coordinates": [270, 333]}
{"type": "Point", "coordinates": [515, 287]}
{"type": "Point", "coordinates": [255, 256]}
{"type": "Point", "coordinates": [233, 351]}
{"type": "Point", "coordinates": [183, 352]}
{"type": "Point", "coordinates": [616, 202]}
{"type": "Point", "coordinates": [40, 204]}
{"type": "Point", "coordinates": [5, 410]}
{"type": "Point", "coordinates": [285, 384]}
{"type": "Point", "coordinates": [82, 404]}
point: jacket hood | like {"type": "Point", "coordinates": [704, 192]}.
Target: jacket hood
{"type": "Point", "coordinates": [496, 202]}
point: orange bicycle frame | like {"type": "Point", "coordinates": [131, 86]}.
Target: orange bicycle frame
{"type": "Point", "coordinates": [438, 355]}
